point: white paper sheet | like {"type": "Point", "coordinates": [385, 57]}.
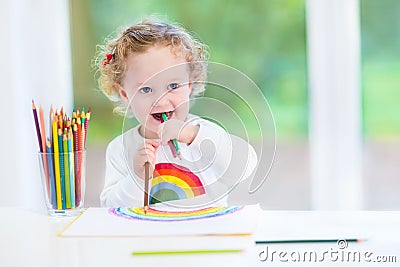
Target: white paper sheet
{"type": "Point", "coordinates": [99, 222]}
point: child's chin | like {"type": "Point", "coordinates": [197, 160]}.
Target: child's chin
{"type": "Point", "coordinates": [149, 132]}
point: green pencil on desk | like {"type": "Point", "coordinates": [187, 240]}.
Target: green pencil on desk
{"type": "Point", "coordinates": [185, 252]}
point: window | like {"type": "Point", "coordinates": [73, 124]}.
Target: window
{"type": "Point", "coordinates": [380, 31]}
{"type": "Point", "coordinates": [263, 39]}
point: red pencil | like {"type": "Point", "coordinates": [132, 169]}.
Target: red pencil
{"type": "Point", "coordinates": [80, 137]}
{"type": "Point", "coordinates": [78, 161]}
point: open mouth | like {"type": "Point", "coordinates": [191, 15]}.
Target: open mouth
{"type": "Point", "coordinates": [158, 116]}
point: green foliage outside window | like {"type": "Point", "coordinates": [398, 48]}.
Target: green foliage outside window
{"type": "Point", "coordinates": [265, 39]}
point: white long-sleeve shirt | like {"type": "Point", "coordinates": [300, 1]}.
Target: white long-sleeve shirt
{"type": "Point", "coordinates": [218, 159]}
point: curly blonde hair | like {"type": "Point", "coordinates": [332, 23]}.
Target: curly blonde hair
{"type": "Point", "coordinates": [111, 58]}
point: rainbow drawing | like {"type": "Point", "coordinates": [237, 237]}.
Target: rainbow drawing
{"type": "Point", "coordinates": [173, 182]}
{"type": "Point", "coordinates": [172, 216]}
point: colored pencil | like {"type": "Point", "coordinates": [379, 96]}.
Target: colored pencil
{"type": "Point", "coordinates": [78, 158]}
{"type": "Point", "coordinates": [52, 197]}
{"type": "Point", "coordinates": [38, 133]}
{"type": "Point", "coordinates": [66, 170]}
{"type": "Point", "coordinates": [62, 169]}
{"type": "Point", "coordinates": [42, 129]}
{"type": "Point", "coordinates": [173, 144]}
{"type": "Point", "coordinates": [146, 186]}
{"type": "Point", "coordinates": [87, 124]}
{"type": "Point", "coordinates": [83, 134]}
{"type": "Point", "coordinates": [83, 117]}
{"type": "Point", "coordinates": [71, 168]}
{"type": "Point", "coordinates": [78, 177]}
{"type": "Point", "coordinates": [185, 252]}
{"type": "Point", "coordinates": [258, 242]}
{"type": "Point", "coordinates": [51, 124]}
{"type": "Point", "coordinates": [76, 141]}
{"type": "Point", "coordinates": [57, 162]}
{"type": "Point", "coordinates": [44, 149]}
{"type": "Point", "coordinates": [79, 131]}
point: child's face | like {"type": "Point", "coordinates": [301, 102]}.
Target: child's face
{"type": "Point", "coordinates": [156, 81]}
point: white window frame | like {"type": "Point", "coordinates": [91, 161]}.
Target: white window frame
{"type": "Point", "coordinates": [333, 40]}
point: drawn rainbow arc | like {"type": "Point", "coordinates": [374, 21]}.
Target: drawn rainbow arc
{"type": "Point", "coordinates": [174, 182]}
{"type": "Point", "coordinates": [153, 214]}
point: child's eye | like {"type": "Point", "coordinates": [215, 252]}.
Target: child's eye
{"type": "Point", "coordinates": [173, 86]}
{"type": "Point", "coordinates": [145, 90]}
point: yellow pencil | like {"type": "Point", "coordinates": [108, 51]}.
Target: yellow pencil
{"type": "Point", "coordinates": [57, 162]}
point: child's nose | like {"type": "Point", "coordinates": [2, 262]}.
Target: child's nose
{"type": "Point", "coordinates": [162, 99]}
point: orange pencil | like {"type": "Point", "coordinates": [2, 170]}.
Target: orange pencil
{"type": "Point", "coordinates": [43, 129]}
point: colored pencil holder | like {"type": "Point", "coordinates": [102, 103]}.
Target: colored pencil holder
{"type": "Point", "coordinates": [63, 180]}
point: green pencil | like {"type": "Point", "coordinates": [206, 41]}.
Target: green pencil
{"type": "Point", "coordinates": [185, 252]}
{"type": "Point", "coordinates": [175, 147]}
{"type": "Point", "coordinates": [66, 170]}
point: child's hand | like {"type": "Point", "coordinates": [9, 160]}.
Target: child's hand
{"type": "Point", "coordinates": [179, 130]}
{"type": "Point", "coordinates": [146, 152]}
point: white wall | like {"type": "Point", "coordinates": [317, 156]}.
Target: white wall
{"type": "Point", "coordinates": [35, 64]}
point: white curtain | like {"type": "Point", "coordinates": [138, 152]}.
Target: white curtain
{"type": "Point", "coordinates": [35, 64]}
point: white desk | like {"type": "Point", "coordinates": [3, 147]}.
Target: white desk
{"type": "Point", "coordinates": [29, 239]}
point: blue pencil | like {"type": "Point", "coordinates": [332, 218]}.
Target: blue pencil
{"type": "Point", "coordinates": [52, 197]}
{"type": "Point", "coordinates": [62, 174]}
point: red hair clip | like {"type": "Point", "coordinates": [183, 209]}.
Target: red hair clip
{"type": "Point", "coordinates": [108, 59]}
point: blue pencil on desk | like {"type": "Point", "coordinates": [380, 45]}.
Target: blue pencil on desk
{"type": "Point", "coordinates": [173, 144]}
